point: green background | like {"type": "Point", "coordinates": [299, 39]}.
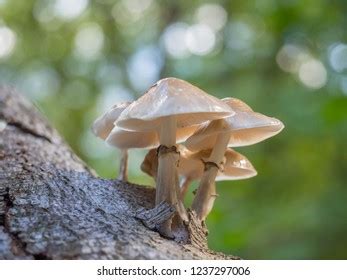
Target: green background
{"type": "Point", "coordinates": [286, 59]}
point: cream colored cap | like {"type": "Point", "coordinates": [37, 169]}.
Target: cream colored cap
{"type": "Point", "coordinates": [192, 166]}
{"type": "Point", "coordinates": [236, 167]}
{"type": "Point", "coordinates": [246, 126]}
{"type": "Point", "coordinates": [124, 139]}
{"type": "Point", "coordinates": [170, 97]}
{"type": "Point", "coordinates": [103, 125]}
{"type": "Point", "coordinates": [150, 163]}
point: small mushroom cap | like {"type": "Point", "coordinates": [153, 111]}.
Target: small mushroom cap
{"type": "Point", "coordinates": [236, 167]}
{"type": "Point", "coordinates": [187, 166]}
{"type": "Point", "coordinates": [172, 97]}
{"type": "Point", "coordinates": [103, 125]}
{"type": "Point", "coordinates": [150, 163]}
{"type": "Point", "coordinates": [246, 126]}
{"type": "Point", "coordinates": [190, 164]}
{"type": "Point", "coordinates": [124, 139]}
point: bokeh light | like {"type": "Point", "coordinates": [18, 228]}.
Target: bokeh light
{"type": "Point", "coordinates": [200, 39]}
{"type": "Point", "coordinates": [290, 57]}
{"type": "Point", "coordinates": [66, 9]}
{"type": "Point", "coordinates": [313, 74]}
{"type": "Point", "coordinates": [7, 41]}
{"type": "Point", "coordinates": [174, 40]}
{"type": "Point", "coordinates": [144, 67]}
{"type": "Point", "coordinates": [89, 41]}
{"type": "Point", "coordinates": [338, 57]}
{"type": "Point", "coordinates": [213, 15]}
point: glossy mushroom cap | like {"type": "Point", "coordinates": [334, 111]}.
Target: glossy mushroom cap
{"type": "Point", "coordinates": [172, 97]}
{"type": "Point", "coordinates": [103, 125]}
{"type": "Point", "coordinates": [236, 167]}
{"type": "Point", "coordinates": [246, 126]}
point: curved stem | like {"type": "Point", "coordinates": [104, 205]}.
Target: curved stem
{"type": "Point", "coordinates": [206, 193]}
{"type": "Point", "coordinates": [123, 166]}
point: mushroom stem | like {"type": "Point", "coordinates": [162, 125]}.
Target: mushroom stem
{"type": "Point", "coordinates": [123, 167]}
{"type": "Point", "coordinates": [206, 192]}
{"type": "Point", "coordinates": [167, 162]}
{"type": "Point", "coordinates": [185, 186]}
{"type": "Point", "coordinates": [167, 188]}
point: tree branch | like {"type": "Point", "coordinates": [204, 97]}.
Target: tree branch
{"type": "Point", "coordinates": [52, 206]}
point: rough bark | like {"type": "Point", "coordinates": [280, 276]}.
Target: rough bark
{"type": "Point", "coordinates": [52, 206]}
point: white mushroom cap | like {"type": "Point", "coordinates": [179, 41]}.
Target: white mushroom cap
{"type": "Point", "coordinates": [172, 97]}
{"type": "Point", "coordinates": [103, 125]}
{"type": "Point", "coordinates": [246, 126]}
{"type": "Point", "coordinates": [236, 167]}
{"type": "Point", "coordinates": [124, 139]}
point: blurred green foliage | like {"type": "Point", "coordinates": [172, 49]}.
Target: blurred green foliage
{"type": "Point", "coordinates": [285, 58]}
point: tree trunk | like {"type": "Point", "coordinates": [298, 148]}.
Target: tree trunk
{"type": "Point", "coordinates": [52, 206]}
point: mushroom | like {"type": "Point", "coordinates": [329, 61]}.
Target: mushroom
{"type": "Point", "coordinates": [105, 129]}
{"type": "Point", "coordinates": [103, 126]}
{"type": "Point", "coordinates": [185, 166]}
{"type": "Point", "coordinates": [191, 166]}
{"type": "Point", "coordinates": [246, 127]}
{"type": "Point", "coordinates": [124, 139]}
{"type": "Point", "coordinates": [150, 163]}
{"type": "Point", "coordinates": [235, 166]}
{"type": "Point", "coordinates": [168, 105]}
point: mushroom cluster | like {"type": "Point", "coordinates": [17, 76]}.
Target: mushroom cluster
{"type": "Point", "coordinates": [174, 111]}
